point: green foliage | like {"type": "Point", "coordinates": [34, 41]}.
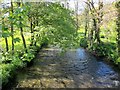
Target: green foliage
{"type": "Point", "coordinates": [58, 25]}
{"type": "Point", "coordinates": [17, 39]}
{"type": "Point", "coordinates": [118, 26]}
{"type": "Point", "coordinates": [105, 49]}
{"type": "Point", "coordinates": [55, 26]}
{"type": "Point", "coordinates": [5, 32]}
{"type": "Point", "coordinates": [109, 33]}
{"type": "Point", "coordinates": [17, 62]}
{"type": "Point", "coordinates": [118, 60]}
{"type": "Point", "coordinates": [84, 42]}
{"type": "Point", "coordinates": [6, 70]}
{"type": "Point", "coordinates": [27, 57]}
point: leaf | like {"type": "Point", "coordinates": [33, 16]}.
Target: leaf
{"type": "Point", "coordinates": [16, 40]}
{"type": "Point", "coordinates": [118, 60]}
{"type": "Point", "coordinates": [21, 25]}
{"type": "Point", "coordinates": [5, 34]}
{"type": "Point", "coordinates": [11, 19]}
{"type": "Point", "coordinates": [18, 24]}
{"type": "Point", "coordinates": [4, 28]}
{"type": "Point", "coordinates": [21, 19]}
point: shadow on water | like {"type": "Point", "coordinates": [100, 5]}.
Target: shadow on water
{"type": "Point", "coordinates": [75, 69]}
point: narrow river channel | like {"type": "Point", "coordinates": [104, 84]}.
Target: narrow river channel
{"type": "Point", "coordinates": [74, 69]}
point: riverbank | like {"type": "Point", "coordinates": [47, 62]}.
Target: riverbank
{"type": "Point", "coordinates": [105, 59]}
{"type": "Point", "coordinates": [13, 74]}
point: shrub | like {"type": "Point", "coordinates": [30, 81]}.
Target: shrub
{"type": "Point", "coordinates": [105, 49]}
{"type": "Point", "coordinates": [84, 43]}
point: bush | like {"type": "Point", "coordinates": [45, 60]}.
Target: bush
{"type": "Point", "coordinates": [6, 71]}
{"type": "Point", "coordinates": [10, 63]}
{"type": "Point", "coordinates": [105, 49]}
{"type": "Point", "coordinates": [84, 43]}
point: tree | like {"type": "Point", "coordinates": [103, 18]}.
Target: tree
{"type": "Point", "coordinates": [97, 15]}
{"type": "Point", "coordinates": [56, 24]}
{"type": "Point", "coordinates": [76, 13]}
{"type": "Point", "coordinates": [86, 20]}
{"type": "Point", "coordinates": [118, 26]}
{"type": "Point", "coordinates": [21, 24]}
{"type": "Point", "coordinates": [99, 20]}
{"type": "Point", "coordinates": [5, 33]}
{"type": "Point", "coordinates": [12, 31]}
{"type": "Point", "coordinates": [5, 26]}
{"type": "Point", "coordinates": [34, 20]}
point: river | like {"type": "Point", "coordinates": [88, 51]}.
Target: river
{"type": "Point", "coordinates": [75, 68]}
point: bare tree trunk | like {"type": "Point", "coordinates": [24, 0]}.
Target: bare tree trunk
{"type": "Point", "coordinates": [86, 29]}
{"type": "Point", "coordinates": [92, 32]}
{"type": "Point", "coordinates": [100, 15]}
{"type": "Point", "coordinates": [98, 33]}
{"type": "Point", "coordinates": [12, 31]}
{"type": "Point", "coordinates": [97, 17]}
{"type": "Point", "coordinates": [86, 20]}
{"type": "Point", "coordinates": [6, 42]}
{"type": "Point", "coordinates": [76, 13]}
{"type": "Point", "coordinates": [21, 32]}
{"type": "Point", "coordinates": [5, 38]}
{"type": "Point", "coordinates": [32, 36]}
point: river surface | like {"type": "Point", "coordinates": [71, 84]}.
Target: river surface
{"type": "Point", "coordinates": [75, 68]}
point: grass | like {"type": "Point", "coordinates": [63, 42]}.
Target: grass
{"type": "Point", "coordinates": [18, 45]}
{"type": "Point", "coordinates": [109, 32]}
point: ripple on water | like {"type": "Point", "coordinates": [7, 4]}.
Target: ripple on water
{"type": "Point", "coordinates": [104, 69]}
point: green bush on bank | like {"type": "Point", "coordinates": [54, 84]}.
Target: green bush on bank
{"type": "Point", "coordinates": [104, 49]}
{"type": "Point", "coordinates": [17, 62]}
{"type": "Point", "coordinates": [84, 42]}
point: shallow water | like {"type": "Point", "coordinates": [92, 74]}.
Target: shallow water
{"type": "Point", "coordinates": [73, 69]}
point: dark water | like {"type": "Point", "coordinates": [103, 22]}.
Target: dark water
{"type": "Point", "coordinates": [73, 69]}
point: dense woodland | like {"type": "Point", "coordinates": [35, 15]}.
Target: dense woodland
{"type": "Point", "coordinates": [28, 26]}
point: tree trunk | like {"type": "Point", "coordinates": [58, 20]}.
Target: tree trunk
{"type": "Point", "coordinates": [95, 28]}
{"type": "Point", "coordinates": [100, 15]}
{"type": "Point", "coordinates": [98, 33]}
{"type": "Point", "coordinates": [12, 32]}
{"type": "Point", "coordinates": [21, 32]}
{"type": "Point", "coordinates": [118, 26]}
{"type": "Point", "coordinates": [23, 39]}
{"type": "Point", "coordinates": [91, 35]}
{"type": "Point", "coordinates": [6, 42]}
{"type": "Point", "coordinates": [86, 20]}
{"type": "Point", "coordinates": [32, 36]}
{"type": "Point", "coordinates": [37, 23]}
{"type": "Point", "coordinates": [5, 38]}
{"type": "Point", "coordinates": [76, 13]}
{"type": "Point", "coordinates": [119, 40]}
{"type": "Point", "coordinates": [86, 29]}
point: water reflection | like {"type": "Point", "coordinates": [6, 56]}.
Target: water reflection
{"type": "Point", "coordinates": [104, 69]}
{"type": "Point", "coordinates": [81, 53]}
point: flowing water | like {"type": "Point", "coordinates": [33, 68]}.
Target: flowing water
{"type": "Point", "coordinates": [73, 69]}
